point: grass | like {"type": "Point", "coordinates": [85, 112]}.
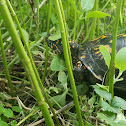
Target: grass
{"type": "Point", "coordinates": [34, 83]}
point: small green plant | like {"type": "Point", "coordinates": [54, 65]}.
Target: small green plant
{"type": "Point", "coordinates": [6, 115]}
{"type": "Point", "coordinates": [112, 106]}
{"type": "Point", "coordinates": [120, 60]}
{"type": "Point", "coordinates": [111, 111]}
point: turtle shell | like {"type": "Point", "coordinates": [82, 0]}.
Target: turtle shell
{"type": "Point", "coordinates": [92, 58]}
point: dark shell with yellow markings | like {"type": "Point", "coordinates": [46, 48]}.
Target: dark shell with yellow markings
{"type": "Point", "coordinates": [88, 55]}
{"type": "Point", "coordinates": [92, 57]}
{"type": "Point", "coordinates": [88, 60]}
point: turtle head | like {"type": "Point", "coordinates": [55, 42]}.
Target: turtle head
{"type": "Point", "coordinates": [55, 45]}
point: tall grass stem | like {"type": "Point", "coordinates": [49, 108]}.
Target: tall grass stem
{"type": "Point", "coordinates": [111, 72]}
{"type": "Point", "coordinates": [25, 60]}
{"type": "Point", "coordinates": [67, 60]}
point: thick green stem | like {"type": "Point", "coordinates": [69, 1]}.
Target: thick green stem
{"type": "Point", "coordinates": [111, 72]}
{"type": "Point", "coordinates": [33, 64]}
{"type": "Point", "coordinates": [46, 64]}
{"type": "Point", "coordinates": [66, 33]}
{"type": "Point", "coordinates": [25, 60]}
{"type": "Point", "coordinates": [67, 60]}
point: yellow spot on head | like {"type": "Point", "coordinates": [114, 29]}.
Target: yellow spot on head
{"type": "Point", "coordinates": [72, 46]}
{"type": "Point", "coordinates": [83, 56]}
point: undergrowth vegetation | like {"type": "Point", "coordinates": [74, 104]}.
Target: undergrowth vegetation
{"type": "Point", "coordinates": [37, 85]}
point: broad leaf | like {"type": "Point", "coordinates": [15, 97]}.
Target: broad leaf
{"type": "Point", "coordinates": [105, 54]}
{"type": "Point", "coordinates": [107, 119]}
{"type": "Point", "coordinates": [2, 123]}
{"type": "Point", "coordinates": [109, 108]}
{"type": "Point", "coordinates": [120, 118]}
{"type": "Point", "coordinates": [8, 113]}
{"type": "Point", "coordinates": [97, 14]}
{"type": "Point", "coordinates": [119, 102]}
{"type": "Point", "coordinates": [58, 64]}
{"type": "Point", "coordinates": [16, 109]}
{"type": "Point", "coordinates": [63, 79]}
{"type": "Point", "coordinates": [103, 93]}
{"type": "Point", "coordinates": [120, 59]}
{"type": "Point", "coordinates": [110, 121]}
{"type": "Point", "coordinates": [61, 99]}
{"type": "Point", "coordinates": [122, 123]}
{"type": "Point", "coordinates": [55, 36]}
{"type": "Point", "coordinates": [87, 5]}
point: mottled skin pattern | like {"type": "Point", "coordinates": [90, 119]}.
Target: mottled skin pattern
{"type": "Point", "coordinates": [88, 60]}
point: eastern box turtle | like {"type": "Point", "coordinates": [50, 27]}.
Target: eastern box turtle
{"type": "Point", "coordinates": [88, 59]}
